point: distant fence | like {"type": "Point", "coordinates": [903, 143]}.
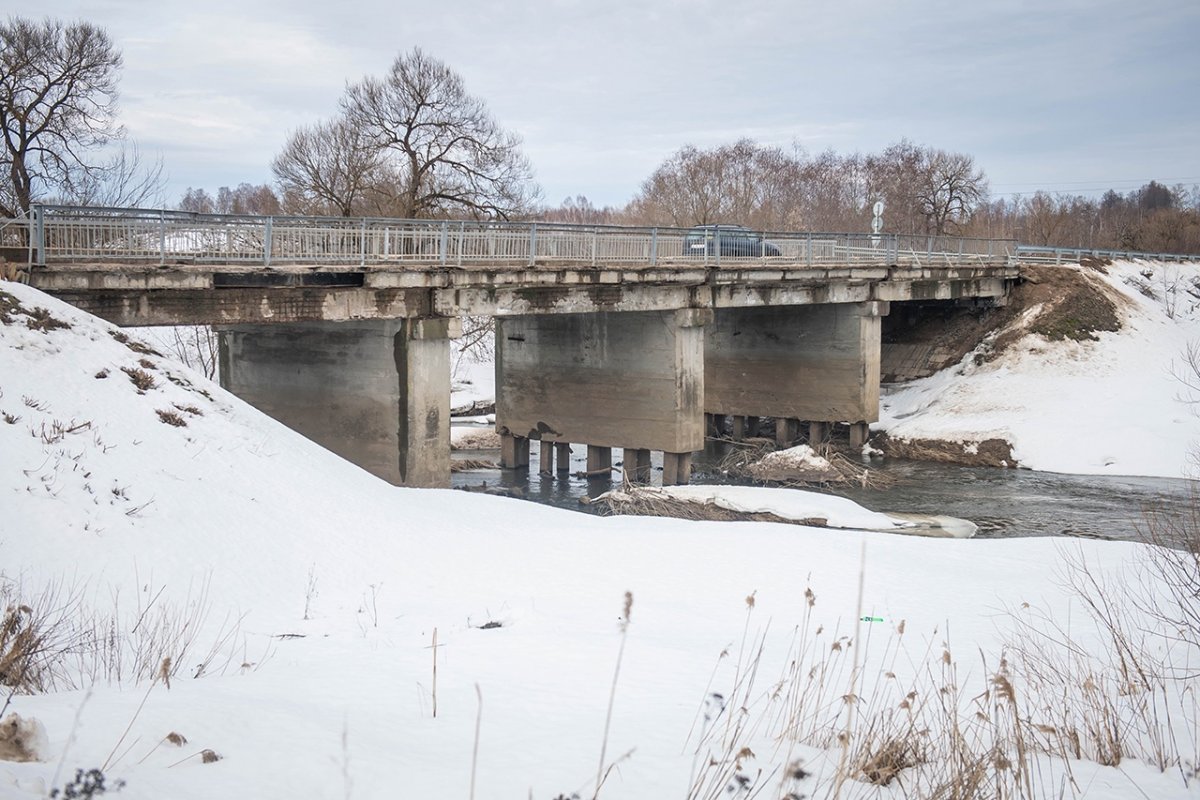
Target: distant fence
{"type": "Point", "coordinates": [76, 235]}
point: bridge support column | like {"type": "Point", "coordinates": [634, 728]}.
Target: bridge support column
{"type": "Point", "coordinates": [787, 430]}
{"type": "Point", "coordinates": [859, 433]}
{"type": "Point", "coordinates": [374, 392]}
{"type": "Point", "coordinates": [677, 469]}
{"type": "Point", "coordinates": [562, 451]}
{"type": "Point", "coordinates": [514, 451]}
{"type": "Point", "coordinates": [818, 432]}
{"type": "Point", "coordinates": [620, 379]}
{"type": "Point", "coordinates": [818, 363]}
{"type": "Point", "coordinates": [637, 465]}
{"type": "Point", "coordinates": [599, 461]}
{"type": "Point", "coordinates": [738, 430]}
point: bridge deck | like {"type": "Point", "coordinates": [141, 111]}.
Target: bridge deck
{"type": "Point", "coordinates": [116, 261]}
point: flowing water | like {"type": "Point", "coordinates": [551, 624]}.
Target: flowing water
{"type": "Point", "coordinates": [1002, 502]}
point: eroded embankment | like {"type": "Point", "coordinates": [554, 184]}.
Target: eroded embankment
{"type": "Point", "coordinates": [1054, 302]}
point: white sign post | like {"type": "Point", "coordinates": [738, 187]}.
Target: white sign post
{"type": "Point", "coordinates": [877, 224]}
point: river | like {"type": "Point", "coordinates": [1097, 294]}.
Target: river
{"type": "Point", "coordinates": [1002, 502]}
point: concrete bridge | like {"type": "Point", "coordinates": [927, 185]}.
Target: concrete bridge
{"type": "Point", "coordinates": [605, 336]}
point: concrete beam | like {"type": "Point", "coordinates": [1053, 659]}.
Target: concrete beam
{"type": "Point", "coordinates": [249, 305]}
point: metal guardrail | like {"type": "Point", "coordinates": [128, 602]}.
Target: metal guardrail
{"type": "Point", "coordinates": [65, 235]}
{"type": "Point", "coordinates": [1027, 254]}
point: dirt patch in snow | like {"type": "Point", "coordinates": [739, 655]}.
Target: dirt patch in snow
{"type": "Point", "coordinates": [1055, 302]}
{"type": "Point", "coordinates": [1072, 304]}
{"type": "Point", "coordinates": [986, 453]}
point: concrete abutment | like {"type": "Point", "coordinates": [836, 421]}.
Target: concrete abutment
{"type": "Point", "coordinates": [376, 392]}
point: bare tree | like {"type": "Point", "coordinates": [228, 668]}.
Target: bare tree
{"type": "Point", "coordinates": [578, 210]}
{"type": "Point", "coordinates": [124, 179]}
{"type": "Point", "coordinates": [926, 190]}
{"type": "Point", "coordinates": [198, 201]}
{"type": "Point", "coordinates": [247, 198]}
{"type": "Point", "coordinates": [950, 186]}
{"type": "Point", "coordinates": [58, 99]}
{"type": "Point", "coordinates": [445, 152]}
{"type": "Point", "coordinates": [329, 167]}
{"type": "Point", "coordinates": [742, 183]}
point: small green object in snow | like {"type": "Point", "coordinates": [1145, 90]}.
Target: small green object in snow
{"type": "Point", "coordinates": [872, 619]}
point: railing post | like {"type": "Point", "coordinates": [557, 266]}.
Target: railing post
{"type": "Point", "coordinates": [362, 243]}
{"type": "Point", "coordinates": [653, 246]}
{"type": "Point", "coordinates": [532, 244]}
{"type": "Point", "coordinates": [928, 250]}
{"type": "Point", "coordinates": [268, 241]}
{"type": "Point", "coordinates": [162, 238]}
{"type": "Point", "coordinates": [445, 241]}
{"type": "Point", "coordinates": [717, 245]}
{"type": "Point", "coordinates": [462, 229]}
{"type": "Point", "coordinates": [595, 245]}
{"type": "Point", "coordinates": [39, 223]}
{"type": "Point", "coordinates": [808, 248]}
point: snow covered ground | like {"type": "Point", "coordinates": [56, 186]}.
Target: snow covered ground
{"type": "Point", "coordinates": [352, 639]}
{"type": "Point", "coordinates": [1115, 406]}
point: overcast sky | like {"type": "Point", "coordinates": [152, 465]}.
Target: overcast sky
{"type": "Point", "coordinates": [1063, 95]}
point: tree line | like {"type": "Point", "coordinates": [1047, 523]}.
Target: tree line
{"type": "Point", "coordinates": [414, 143]}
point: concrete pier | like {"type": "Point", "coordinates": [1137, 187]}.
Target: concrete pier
{"type": "Point", "coordinates": [818, 363]}
{"type": "Point", "coordinates": [636, 464]}
{"type": "Point", "coordinates": [818, 432]}
{"type": "Point", "coordinates": [376, 392]}
{"type": "Point", "coordinates": [859, 433]}
{"type": "Point", "coordinates": [633, 380]}
{"type": "Point", "coordinates": [677, 469]}
{"type": "Point", "coordinates": [562, 452]}
{"type": "Point", "coordinates": [787, 430]}
{"type": "Point", "coordinates": [514, 451]}
{"type": "Point", "coordinates": [599, 461]}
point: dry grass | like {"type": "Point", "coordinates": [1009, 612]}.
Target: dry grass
{"type": "Point", "coordinates": [141, 379]}
{"type": "Point", "coordinates": [49, 641]}
{"type": "Point", "coordinates": [171, 418]}
{"type": "Point", "coordinates": [650, 501]}
{"type": "Point", "coordinates": [929, 726]}
{"type": "Point", "coordinates": [743, 461]}
{"type": "Point", "coordinates": [133, 344]}
{"type": "Point", "coordinates": [470, 464]}
{"type": "Point", "coordinates": [35, 636]}
{"type": "Point", "coordinates": [40, 319]}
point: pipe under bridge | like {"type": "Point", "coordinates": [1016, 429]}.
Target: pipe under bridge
{"type": "Point", "coordinates": [605, 336]}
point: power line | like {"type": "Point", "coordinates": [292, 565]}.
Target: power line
{"type": "Point", "coordinates": [1085, 187]}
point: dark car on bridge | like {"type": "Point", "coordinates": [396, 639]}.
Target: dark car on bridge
{"type": "Point", "coordinates": [730, 240]}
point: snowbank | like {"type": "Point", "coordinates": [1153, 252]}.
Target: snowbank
{"type": "Point", "coordinates": [1115, 406]}
{"type": "Point", "coordinates": [317, 594]}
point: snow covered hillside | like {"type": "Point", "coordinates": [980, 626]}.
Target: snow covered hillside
{"type": "Point", "coordinates": [334, 636]}
{"type": "Point", "coordinates": [1116, 405]}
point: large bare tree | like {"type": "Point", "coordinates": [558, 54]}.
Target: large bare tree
{"type": "Point", "coordinates": [58, 101]}
{"type": "Point", "coordinates": [330, 168]}
{"type": "Point", "coordinates": [926, 190]}
{"type": "Point", "coordinates": [444, 152]}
